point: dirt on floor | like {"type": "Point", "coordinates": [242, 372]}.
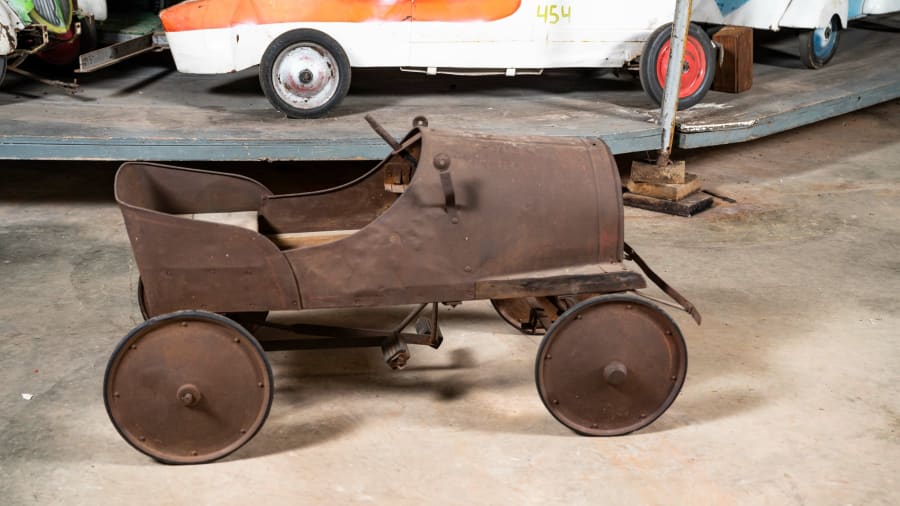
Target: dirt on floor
{"type": "Point", "coordinates": [791, 395]}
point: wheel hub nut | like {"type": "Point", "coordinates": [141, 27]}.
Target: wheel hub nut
{"type": "Point", "coordinates": [306, 76]}
{"type": "Point", "coordinates": [189, 395]}
{"type": "Point", "coordinates": [615, 373]}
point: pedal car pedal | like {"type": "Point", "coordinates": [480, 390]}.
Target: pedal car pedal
{"type": "Point", "coordinates": [396, 352]}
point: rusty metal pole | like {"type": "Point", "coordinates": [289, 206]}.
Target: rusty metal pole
{"type": "Point", "coordinates": [673, 78]}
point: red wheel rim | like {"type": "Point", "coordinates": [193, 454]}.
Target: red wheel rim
{"type": "Point", "coordinates": [694, 71]}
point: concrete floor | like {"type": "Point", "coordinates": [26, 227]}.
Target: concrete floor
{"type": "Point", "coordinates": [791, 396]}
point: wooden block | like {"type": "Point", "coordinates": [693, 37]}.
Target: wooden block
{"type": "Point", "coordinates": [735, 74]}
{"type": "Point", "coordinates": [243, 219]}
{"type": "Point", "coordinates": [644, 172]}
{"type": "Point", "coordinates": [688, 206]}
{"type": "Point", "coordinates": [666, 191]}
{"type": "Point", "coordinates": [306, 239]}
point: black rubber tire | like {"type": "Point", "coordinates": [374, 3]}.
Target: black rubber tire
{"type": "Point", "coordinates": [299, 37]}
{"type": "Point", "coordinates": [808, 54]}
{"type": "Point", "coordinates": [2, 69]}
{"type": "Point", "coordinates": [650, 54]}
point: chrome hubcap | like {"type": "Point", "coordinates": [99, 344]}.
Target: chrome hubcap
{"type": "Point", "coordinates": [305, 75]}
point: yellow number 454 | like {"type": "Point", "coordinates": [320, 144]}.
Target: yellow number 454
{"type": "Point", "coordinates": [554, 13]}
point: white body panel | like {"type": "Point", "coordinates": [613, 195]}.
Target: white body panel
{"type": "Point", "coordinates": [880, 6]}
{"type": "Point", "coordinates": [593, 34]}
{"type": "Point", "coordinates": [223, 50]}
{"type": "Point", "coordinates": [96, 8]}
{"type": "Point", "coordinates": [814, 14]}
{"type": "Point", "coordinates": [776, 14]}
{"type": "Point", "coordinates": [764, 14]}
{"type": "Point", "coordinates": [9, 25]}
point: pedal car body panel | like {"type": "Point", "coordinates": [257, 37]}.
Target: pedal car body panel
{"type": "Point", "coordinates": [530, 216]}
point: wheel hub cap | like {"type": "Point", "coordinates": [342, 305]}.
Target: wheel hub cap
{"type": "Point", "coordinates": [305, 75]}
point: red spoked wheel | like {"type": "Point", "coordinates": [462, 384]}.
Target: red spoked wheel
{"type": "Point", "coordinates": [698, 69]}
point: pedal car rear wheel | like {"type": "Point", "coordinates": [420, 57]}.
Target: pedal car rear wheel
{"type": "Point", "coordinates": [610, 365]}
{"type": "Point", "coordinates": [304, 73]}
{"type": "Point", "coordinates": [518, 312]}
{"type": "Point", "coordinates": [188, 387]}
{"type": "Point", "coordinates": [817, 47]}
{"type": "Point", "coordinates": [698, 71]}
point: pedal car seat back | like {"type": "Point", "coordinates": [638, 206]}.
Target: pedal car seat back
{"type": "Point", "coordinates": [184, 260]}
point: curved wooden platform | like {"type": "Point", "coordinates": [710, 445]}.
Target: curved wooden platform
{"type": "Point", "coordinates": [145, 110]}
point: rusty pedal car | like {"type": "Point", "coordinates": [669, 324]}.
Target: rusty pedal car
{"type": "Point", "coordinates": [535, 224]}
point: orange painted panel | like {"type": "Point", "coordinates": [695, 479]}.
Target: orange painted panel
{"type": "Point", "coordinates": [207, 14]}
{"type": "Point", "coordinates": [464, 10]}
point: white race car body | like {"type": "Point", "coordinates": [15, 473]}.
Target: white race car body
{"type": "Point", "coordinates": [425, 34]}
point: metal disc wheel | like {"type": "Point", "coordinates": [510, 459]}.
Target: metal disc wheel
{"type": "Point", "coordinates": [818, 46]}
{"type": "Point", "coordinates": [610, 365]}
{"type": "Point", "coordinates": [188, 387]}
{"type": "Point", "coordinates": [304, 73]}
{"type": "Point", "coordinates": [698, 70]}
{"type": "Point", "coordinates": [519, 313]}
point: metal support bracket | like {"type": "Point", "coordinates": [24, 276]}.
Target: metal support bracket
{"type": "Point", "coordinates": [110, 55]}
{"type": "Point", "coordinates": [631, 254]}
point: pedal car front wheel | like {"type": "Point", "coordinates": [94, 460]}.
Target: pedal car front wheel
{"type": "Point", "coordinates": [304, 73]}
{"type": "Point", "coordinates": [610, 365]}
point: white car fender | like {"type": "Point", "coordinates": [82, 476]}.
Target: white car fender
{"type": "Point", "coordinates": [9, 25]}
{"type": "Point", "coordinates": [802, 15]}
{"type": "Point", "coordinates": [880, 6]}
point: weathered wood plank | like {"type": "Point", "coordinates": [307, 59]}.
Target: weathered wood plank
{"type": "Point", "coordinates": [687, 206]}
{"type": "Point", "coordinates": [667, 191]}
{"type": "Point", "coordinates": [561, 284]}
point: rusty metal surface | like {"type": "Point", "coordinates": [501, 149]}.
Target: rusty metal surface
{"type": "Point", "coordinates": [428, 246]}
{"type": "Point", "coordinates": [533, 223]}
{"type": "Point", "coordinates": [188, 387]}
{"type": "Point", "coordinates": [190, 264]}
{"type": "Point", "coordinates": [534, 315]}
{"type": "Point", "coordinates": [463, 228]}
{"type": "Point", "coordinates": [611, 365]}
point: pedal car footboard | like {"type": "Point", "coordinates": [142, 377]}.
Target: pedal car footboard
{"type": "Point", "coordinates": [194, 239]}
{"type": "Point", "coordinates": [608, 278]}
